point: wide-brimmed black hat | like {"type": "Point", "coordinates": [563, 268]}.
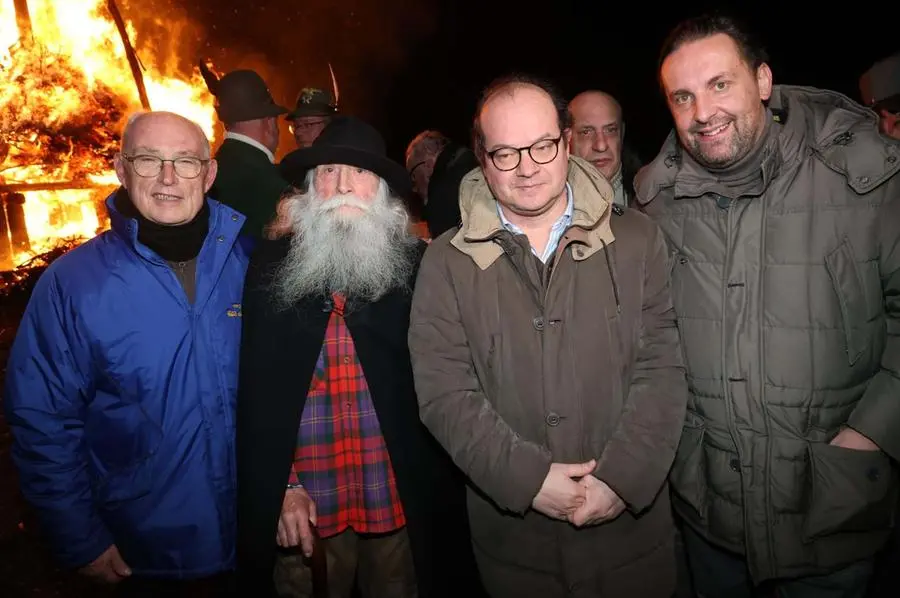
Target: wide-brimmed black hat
{"type": "Point", "coordinates": [347, 140]}
{"type": "Point", "coordinates": [243, 95]}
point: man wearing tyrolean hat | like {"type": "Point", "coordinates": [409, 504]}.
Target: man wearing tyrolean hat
{"type": "Point", "coordinates": [328, 432]}
{"type": "Point", "coordinates": [311, 115]}
{"type": "Point", "coordinates": [248, 179]}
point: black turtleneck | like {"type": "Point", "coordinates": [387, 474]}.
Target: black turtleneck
{"type": "Point", "coordinates": [173, 243]}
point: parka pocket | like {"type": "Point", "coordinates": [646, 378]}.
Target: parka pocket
{"type": "Point", "coordinates": [688, 475]}
{"type": "Point", "coordinates": [850, 491]}
{"type": "Point", "coordinates": [847, 282]}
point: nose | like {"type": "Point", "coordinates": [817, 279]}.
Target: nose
{"type": "Point", "coordinates": [527, 167]}
{"type": "Point", "coordinates": [600, 143]}
{"type": "Point", "coordinates": [344, 184]}
{"type": "Point", "coordinates": [704, 109]}
{"type": "Point", "coordinates": [167, 173]}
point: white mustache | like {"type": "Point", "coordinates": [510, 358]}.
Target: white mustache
{"type": "Point", "coordinates": [339, 201]}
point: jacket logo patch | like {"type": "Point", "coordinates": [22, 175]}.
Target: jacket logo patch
{"type": "Point", "coordinates": [234, 311]}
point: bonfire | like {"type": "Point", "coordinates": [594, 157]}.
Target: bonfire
{"type": "Point", "coordinates": [70, 73]}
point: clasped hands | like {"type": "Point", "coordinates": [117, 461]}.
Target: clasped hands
{"type": "Point", "coordinates": [572, 493]}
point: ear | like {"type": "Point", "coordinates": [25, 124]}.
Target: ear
{"type": "Point", "coordinates": [119, 165]}
{"type": "Point", "coordinates": [764, 81]}
{"type": "Point", "coordinates": [567, 136]}
{"type": "Point", "coordinates": [211, 169]}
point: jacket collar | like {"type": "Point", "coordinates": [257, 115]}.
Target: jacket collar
{"type": "Point", "coordinates": [592, 194]}
{"type": "Point", "coordinates": [224, 227]}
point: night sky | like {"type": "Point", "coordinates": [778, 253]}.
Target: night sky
{"type": "Point", "coordinates": [406, 65]}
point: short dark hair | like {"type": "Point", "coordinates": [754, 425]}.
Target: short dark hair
{"type": "Point", "coordinates": [509, 83]}
{"type": "Point", "coordinates": [707, 25]}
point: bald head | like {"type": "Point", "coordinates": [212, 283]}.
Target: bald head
{"type": "Point", "coordinates": [597, 130]}
{"type": "Point", "coordinates": [594, 99]}
{"type": "Point", "coordinates": [141, 122]}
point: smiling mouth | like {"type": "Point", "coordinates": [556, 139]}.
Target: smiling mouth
{"type": "Point", "coordinates": [165, 197]}
{"type": "Point", "coordinates": [710, 133]}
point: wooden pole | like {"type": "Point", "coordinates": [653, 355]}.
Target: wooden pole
{"type": "Point", "coordinates": [50, 186]}
{"type": "Point", "coordinates": [133, 61]}
{"type": "Point", "coordinates": [23, 21]}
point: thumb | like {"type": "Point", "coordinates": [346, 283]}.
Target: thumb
{"type": "Point", "coordinates": [118, 564]}
{"type": "Point", "coordinates": [579, 470]}
{"type": "Point", "coordinates": [312, 512]}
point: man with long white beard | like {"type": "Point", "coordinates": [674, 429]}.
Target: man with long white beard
{"type": "Point", "coordinates": [328, 434]}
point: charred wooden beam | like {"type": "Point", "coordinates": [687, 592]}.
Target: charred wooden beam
{"type": "Point", "coordinates": [15, 220]}
{"type": "Point", "coordinates": [6, 252]}
{"type": "Point", "coordinates": [50, 186]}
{"type": "Point", "coordinates": [23, 21]}
{"type": "Point", "coordinates": [133, 61]}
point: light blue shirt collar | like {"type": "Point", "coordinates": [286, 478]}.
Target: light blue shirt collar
{"type": "Point", "coordinates": [556, 231]}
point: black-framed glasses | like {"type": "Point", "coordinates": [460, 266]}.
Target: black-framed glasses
{"type": "Point", "coordinates": [148, 166]}
{"type": "Point", "coordinates": [542, 152]}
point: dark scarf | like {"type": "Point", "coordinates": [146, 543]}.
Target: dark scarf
{"type": "Point", "coordinates": [745, 178]}
{"type": "Point", "coordinates": [179, 243]}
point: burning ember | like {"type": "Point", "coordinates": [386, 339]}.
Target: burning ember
{"type": "Point", "coordinates": [68, 79]}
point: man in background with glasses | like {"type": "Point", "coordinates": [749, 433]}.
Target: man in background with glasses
{"type": "Point", "coordinates": [311, 115]}
{"type": "Point", "coordinates": [121, 383]}
{"type": "Point", "coordinates": [547, 364]}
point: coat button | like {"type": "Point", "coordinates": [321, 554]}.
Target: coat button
{"type": "Point", "coordinates": [579, 252]}
{"type": "Point", "coordinates": [220, 238]}
{"type": "Point", "coordinates": [234, 217]}
{"type": "Point", "coordinates": [538, 323]}
{"type": "Point", "coordinates": [863, 180]}
{"type": "Point", "coordinates": [873, 474]}
{"type": "Point", "coordinates": [735, 465]}
{"type": "Point", "coordinates": [722, 201]}
{"type": "Point", "coordinates": [552, 420]}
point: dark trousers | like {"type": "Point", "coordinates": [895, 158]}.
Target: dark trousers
{"type": "Point", "coordinates": [721, 574]}
{"type": "Point", "coordinates": [381, 565]}
{"type": "Point", "coordinates": [220, 586]}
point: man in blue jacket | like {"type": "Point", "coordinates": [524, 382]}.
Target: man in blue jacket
{"type": "Point", "coordinates": [121, 381]}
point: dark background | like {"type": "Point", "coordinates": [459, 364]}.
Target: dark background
{"type": "Point", "coordinates": [407, 65]}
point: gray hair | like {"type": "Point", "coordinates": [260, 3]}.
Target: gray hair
{"type": "Point", "coordinates": [135, 117]}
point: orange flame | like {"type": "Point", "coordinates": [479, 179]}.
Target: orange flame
{"type": "Point", "coordinates": [63, 100]}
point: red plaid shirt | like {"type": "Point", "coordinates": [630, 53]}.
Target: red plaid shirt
{"type": "Point", "coordinates": [341, 458]}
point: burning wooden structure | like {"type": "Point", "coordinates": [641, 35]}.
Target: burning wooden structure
{"type": "Point", "coordinates": [69, 76]}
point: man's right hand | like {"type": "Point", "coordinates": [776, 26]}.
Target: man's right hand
{"type": "Point", "coordinates": [298, 514]}
{"type": "Point", "coordinates": [109, 567]}
{"type": "Point", "coordinates": [560, 494]}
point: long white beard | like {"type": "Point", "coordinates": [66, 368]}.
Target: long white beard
{"type": "Point", "coordinates": [359, 255]}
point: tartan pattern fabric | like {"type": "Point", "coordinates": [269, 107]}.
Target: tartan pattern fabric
{"type": "Point", "coordinates": [341, 458]}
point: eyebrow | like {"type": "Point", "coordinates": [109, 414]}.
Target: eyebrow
{"type": "Point", "coordinates": [543, 137]}
{"type": "Point", "coordinates": [711, 81]}
{"type": "Point", "coordinates": [142, 149]}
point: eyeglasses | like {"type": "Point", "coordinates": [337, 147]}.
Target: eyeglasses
{"type": "Point", "coordinates": [149, 166]}
{"type": "Point", "coordinates": [542, 152]}
{"type": "Point", "coordinates": [307, 126]}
